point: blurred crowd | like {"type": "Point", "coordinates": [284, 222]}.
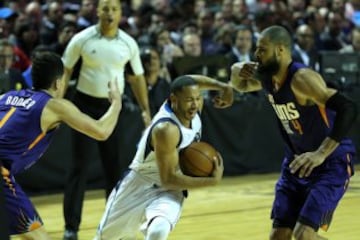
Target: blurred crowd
{"type": "Point", "coordinates": [203, 32]}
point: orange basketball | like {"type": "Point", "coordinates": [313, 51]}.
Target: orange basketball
{"type": "Point", "coordinates": [198, 159]}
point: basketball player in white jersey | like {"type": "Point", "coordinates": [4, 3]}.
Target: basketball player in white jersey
{"type": "Point", "coordinates": [104, 50]}
{"type": "Point", "coordinates": [150, 197]}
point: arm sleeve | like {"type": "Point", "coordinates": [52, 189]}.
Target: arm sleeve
{"type": "Point", "coordinates": [135, 61]}
{"type": "Point", "coordinates": [346, 113]}
{"type": "Point", "coordinates": [72, 52]}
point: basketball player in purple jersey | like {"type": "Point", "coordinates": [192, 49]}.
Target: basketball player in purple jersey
{"type": "Point", "coordinates": [314, 120]}
{"type": "Point", "coordinates": [28, 120]}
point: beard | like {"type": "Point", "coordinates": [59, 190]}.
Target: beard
{"type": "Point", "coordinates": [269, 68]}
{"type": "Point", "coordinates": [265, 71]}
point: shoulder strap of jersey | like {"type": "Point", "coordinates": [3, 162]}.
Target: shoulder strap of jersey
{"type": "Point", "coordinates": [148, 147]}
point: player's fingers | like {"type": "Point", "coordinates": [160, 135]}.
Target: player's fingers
{"type": "Point", "coordinates": [113, 84]}
{"type": "Point", "coordinates": [116, 84]}
{"type": "Point", "coordinates": [218, 159]}
{"type": "Point", "coordinates": [218, 102]}
{"type": "Point", "coordinates": [246, 73]}
{"type": "Point", "coordinates": [309, 170]}
{"type": "Point", "coordinates": [220, 105]}
{"type": "Point", "coordinates": [250, 67]}
{"type": "Point", "coordinates": [296, 164]}
{"type": "Point", "coordinates": [304, 169]}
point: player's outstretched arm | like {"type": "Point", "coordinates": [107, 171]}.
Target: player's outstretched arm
{"type": "Point", "coordinates": [225, 97]}
{"type": "Point", "coordinates": [242, 77]}
{"type": "Point", "coordinates": [61, 110]}
{"type": "Point", "coordinates": [165, 138]}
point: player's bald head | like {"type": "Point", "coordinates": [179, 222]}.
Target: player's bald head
{"type": "Point", "coordinates": [278, 35]}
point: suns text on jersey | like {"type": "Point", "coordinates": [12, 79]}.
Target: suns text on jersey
{"type": "Point", "coordinates": [286, 111]}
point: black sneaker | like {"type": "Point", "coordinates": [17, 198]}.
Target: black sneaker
{"type": "Point", "coordinates": [70, 235]}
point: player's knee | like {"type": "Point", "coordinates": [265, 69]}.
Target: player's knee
{"type": "Point", "coordinates": [280, 234]}
{"type": "Point", "coordinates": [158, 229]}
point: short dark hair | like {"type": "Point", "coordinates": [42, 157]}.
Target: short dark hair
{"type": "Point", "coordinates": [66, 24]}
{"type": "Point", "coordinates": [278, 35]}
{"type": "Point", "coordinates": [46, 68]}
{"type": "Point", "coordinates": [242, 28]}
{"type": "Point", "coordinates": [180, 82]}
{"type": "Point", "coordinates": [145, 56]}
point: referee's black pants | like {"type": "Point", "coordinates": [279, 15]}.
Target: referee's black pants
{"type": "Point", "coordinates": [77, 176]}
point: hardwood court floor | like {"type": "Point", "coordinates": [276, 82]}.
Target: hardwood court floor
{"type": "Point", "coordinates": [236, 209]}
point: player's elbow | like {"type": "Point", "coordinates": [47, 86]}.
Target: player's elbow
{"type": "Point", "coordinates": [102, 138]}
{"type": "Point", "coordinates": [165, 181]}
{"type": "Point", "coordinates": [168, 181]}
{"type": "Point", "coordinates": [102, 135]}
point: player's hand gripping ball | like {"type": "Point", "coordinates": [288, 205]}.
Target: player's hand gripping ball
{"type": "Point", "coordinates": [199, 159]}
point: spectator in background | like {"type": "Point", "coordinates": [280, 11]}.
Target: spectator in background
{"type": "Point", "coordinates": [160, 40]}
{"type": "Point", "coordinates": [8, 17]}
{"type": "Point", "coordinates": [205, 21]}
{"type": "Point", "coordinates": [224, 37]}
{"type": "Point", "coordinates": [226, 9]}
{"type": "Point", "coordinates": [338, 6]}
{"type": "Point", "coordinates": [354, 47]}
{"type": "Point", "coordinates": [138, 25]}
{"type": "Point", "coordinates": [199, 5]}
{"type": "Point", "coordinates": [87, 14]}
{"type": "Point", "coordinates": [21, 60]}
{"type": "Point", "coordinates": [27, 36]}
{"type": "Point", "coordinates": [190, 62]}
{"type": "Point", "coordinates": [10, 78]}
{"type": "Point", "coordinates": [318, 3]}
{"type": "Point", "coordinates": [105, 50]}
{"type": "Point", "coordinates": [155, 20]}
{"type": "Point", "coordinates": [241, 50]}
{"type": "Point", "coordinates": [16, 5]}
{"type": "Point", "coordinates": [34, 13]}
{"type": "Point", "coordinates": [219, 19]}
{"type": "Point", "coordinates": [191, 44]}
{"type": "Point", "coordinates": [189, 27]}
{"type": "Point", "coordinates": [158, 87]}
{"type": "Point", "coordinates": [351, 7]}
{"type": "Point", "coordinates": [333, 37]}
{"type": "Point", "coordinates": [7, 23]}
{"type": "Point", "coordinates": [51, 22]}
{"type": "Point", "coordinates": [239, 11]}
{"type": "Point", "coordinates": [317, 22]}
{"type": "Point", "coordinates": [191, 47]}
{"type": "Point", "coordinates": [304, 50]}
{"type": "Point", "coordinates": [66, 31]}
